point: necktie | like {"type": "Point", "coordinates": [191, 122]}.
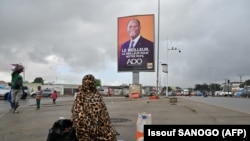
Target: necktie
{"type": "Point", "coordinates": [131, 44]}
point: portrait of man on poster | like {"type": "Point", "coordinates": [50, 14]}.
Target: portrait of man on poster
{"type": "Point", "coordinates": [137, 53]}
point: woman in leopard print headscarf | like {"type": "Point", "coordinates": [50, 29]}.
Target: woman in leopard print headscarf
{"type": "Point", "coordinates": [90, 116]}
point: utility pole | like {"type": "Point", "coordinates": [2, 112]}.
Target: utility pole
{"type": "Point", "coordinates": [173, 48]}
{"type": "Point", "coordinates": [157, 71]}
{"type": "Point", "coordinates": [240, 78]}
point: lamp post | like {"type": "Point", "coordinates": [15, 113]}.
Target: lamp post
{"type": "Point", "coordinates": [158, 40]}
{"type": "Point", "coordinates": [173, 48]}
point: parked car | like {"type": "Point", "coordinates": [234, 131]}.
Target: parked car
{"type": "Point", "coordinates": [198, 93]}
{"type": "Point", "coordinates": [185, 92]}
{"type": "Point", "coordinates": [239, 92]}
{"type": "Point", "coordinates": [103, 92]}
{"type": "Point", "coordinates": [178, 93]}
{"type": "Point", "coordinates": [171, 93]}
{"type": "Point", "coordinates": [245, 93]}
{"type": "Point", "coordinates": [26, 92]}
{"type": "Point", "coordinates": [45, 93]}
{"type": "Point", "coordinates": [217, 93]}
{"type": "Point", "coordinates": [225, 93]}
{"type": "Point", "coordinates": [6, 90]}
{"type": "Point", "coordinates": [125, 92]}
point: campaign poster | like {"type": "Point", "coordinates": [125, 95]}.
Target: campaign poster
{"type": "Point", "coordinates": [136, 43]}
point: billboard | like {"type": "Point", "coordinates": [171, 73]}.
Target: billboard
{"type": "Point", "coordinates": [136, 43]}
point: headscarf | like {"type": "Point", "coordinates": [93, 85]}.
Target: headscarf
{"type": "Point", "coordinates": [90, 116]}
{"type": "Point", "coordinates": [88, 85]}
{"type": "Point", "coordinates": [17, 68]}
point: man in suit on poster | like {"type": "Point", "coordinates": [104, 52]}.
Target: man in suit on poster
{"type": "Point", "coordinates": [138, 52]}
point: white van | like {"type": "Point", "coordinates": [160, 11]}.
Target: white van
{"type": "Point", "coordinates": [185, 92]}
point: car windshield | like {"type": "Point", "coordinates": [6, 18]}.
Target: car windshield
{"type": "Point", "coordinates": [5, 88]}
{"type": "Point", "coordinates": [240, 90]}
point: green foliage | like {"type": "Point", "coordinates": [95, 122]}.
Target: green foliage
{"type": "Point", "coordinates": [214, 87]}
{"type": "Point", "coordinates": [178, 88]}
{"type": "Point", "coordinates": [246, 83]}
{"type": "Point", "coordinates": [169, 89]}
{"type": "Point", "coordinates": [39, 80]}
{"type": "Point", "coordinates": [98, 82]}
{"type": "Point", "coordinates": [201, 87]}
{"type": "Point", "coordinates": [210, 87]}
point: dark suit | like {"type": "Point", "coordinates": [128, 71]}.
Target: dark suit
{"type": "Point", "coordinates": [141, 57]}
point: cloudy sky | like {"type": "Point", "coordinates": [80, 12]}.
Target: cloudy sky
{"type": "Point", "coordinates": [62, 40]}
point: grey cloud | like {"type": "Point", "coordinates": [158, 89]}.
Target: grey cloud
{"type": "Point", "coordinates": [213, 36]}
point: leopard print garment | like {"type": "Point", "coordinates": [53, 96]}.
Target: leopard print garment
{"type": "Point", "coordinates": [90, 116]}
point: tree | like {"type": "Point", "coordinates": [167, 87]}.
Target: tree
{"type": "Point", "coordinates": [197, 87]}
{"type": "Point", "coordinates": [178, 88]}
{"type": "Point", "coordinates": [215, 87]}
{"type": "Point", "coordinates": [201, 87]}
{"type": "Point", "coordinates": [38, 80]}
{"type": "Point", "coordinates": [246, 83]}
{"type": "Point", "coordinates": [169, 89]}
{"type": "Point", "coordinates": [98, 82]}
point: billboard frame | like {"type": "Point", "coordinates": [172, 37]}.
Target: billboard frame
{"type": "Point", "coordinates": [143, 59]}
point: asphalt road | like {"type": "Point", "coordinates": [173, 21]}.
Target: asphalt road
{"type": "Point", "coordinates": [233, 103]}
{"type": "Point", "coordinates": [33, 125]}
{"type": "Point", "coordinates": [4, 104]}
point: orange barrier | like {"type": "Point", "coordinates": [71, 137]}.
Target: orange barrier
{"type": "Point", "coordinates": [134, 95]}
{"type": "Point", "coordinates": [154, 97]}
{"type": "Point", "coordinates": [139, 135]}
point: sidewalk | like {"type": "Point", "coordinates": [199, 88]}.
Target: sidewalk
{"type": "Point", "coordinates": [33, 125]}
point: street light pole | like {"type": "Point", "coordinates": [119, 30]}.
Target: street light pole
{"type": "Point", "coordinates": [167, 72]}
{"type": "Point", "coordinates": [173, 48]}
{"type": "Point", "coordinates": [157, 70]}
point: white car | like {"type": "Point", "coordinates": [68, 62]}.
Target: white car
{"type": "Point", "coordinates": [5, 90]}
{"type": "Point", "coordinates": [185, 92]}
{"type": "Point", "coordinates": [217, 93]}
{"type": "Point", "coordinates": [225, 93]}
{"type": "Point", "coordinates": [4, 93]}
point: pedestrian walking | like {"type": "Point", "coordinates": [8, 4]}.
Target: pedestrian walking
{"type": "Point", "coordinates": [38, 97]}
{"type": "Point", "coordinates": [54, 96]}
{"type": "Point", "coordinates": [16, 86]}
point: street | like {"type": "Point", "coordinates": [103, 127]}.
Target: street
{"type": "Point", "coordinates": [31, 124]}
{"type": "Point", "coordinates": [4, 104]}
{"type": "Point", "coordinates": [233, 103]}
